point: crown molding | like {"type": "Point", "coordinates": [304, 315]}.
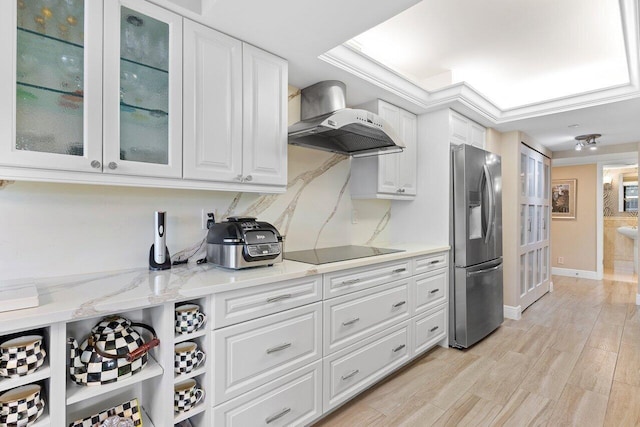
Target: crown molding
{"type": "Point", "coordinates": [463, 94]}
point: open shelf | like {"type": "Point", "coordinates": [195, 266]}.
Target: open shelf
{"type": "Point", "coordinates": [181, 377]}
{"type": "Point", "coordinates": [77, 393]}
{"type": "Point", "coordinates": [200, 407]}
{"type": "Point", "coordinates": [188, 337]}
{"type": "Point", "coordinates": [43, 373]}
{"type": "Point", "coordinates": [45, 419]}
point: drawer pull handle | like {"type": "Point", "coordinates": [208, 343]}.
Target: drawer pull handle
{"type": "Point", "coordinates": [399, 304]}
{"type": "Point", "coordinates": [280, 414]}
{"type": "Point", "coordinates": [434, 291]}
{"type": "Point", "coordinates": [279, 298]}
{"type": "Point", "coordinates": [435, 328]}
{"type": "Point", "coordinates": [278, 348]}
{"type": "Point", "coordinates": [399, 270]}
{"type": "Point", "coordinates": [350, 282]}
{"type": "Point", "coordinates": [398, 348]}
{"type": "Point", "coordinates": [351, 322]}
{"type": "Point", "coordinates": [350, 374]}
{"type": "Point", "coordinates": [435, 261]}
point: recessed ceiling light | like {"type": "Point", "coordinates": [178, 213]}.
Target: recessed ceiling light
{"type": "Point", "coordinates": [574, 126]}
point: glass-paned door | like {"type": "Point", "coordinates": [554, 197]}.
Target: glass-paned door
{"type": "Point", "coordinates": [143, 90]}
{"type": "Point", "coordinates": [534, 226]}
{"type": "Point", "coordinates": [54, 118]}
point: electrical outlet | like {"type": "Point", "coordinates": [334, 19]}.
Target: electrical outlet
{"type": "Point", "coordinates": [354, 216]}
{"type": "Point", "coordinates": [560, 260]}
{"type": "Point", "coordinates": [203, 219]}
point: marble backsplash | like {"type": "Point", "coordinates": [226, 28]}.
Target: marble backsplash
{"type": "Point", "coordinates": [61, 229]}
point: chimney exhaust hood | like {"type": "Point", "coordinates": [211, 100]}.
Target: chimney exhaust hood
{"type": "Point", "coordinates": [327, 125]}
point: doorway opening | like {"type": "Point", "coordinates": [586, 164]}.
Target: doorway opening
{"type": "Point", "coordinates": [620, 221]}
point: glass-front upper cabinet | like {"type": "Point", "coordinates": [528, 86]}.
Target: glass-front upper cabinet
{"type": "Point", "coordinates": [142, 89]}
{"type": "Point", "coordinates": [51, 84]}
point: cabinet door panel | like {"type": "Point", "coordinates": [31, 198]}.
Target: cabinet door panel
{"type": "Point", "coordinates": [51, 86]}
{"type": "Point", "coordinates": [264, 117]}
{"type": "Point", "coordinates": [408, 159]}
{"type": "Point", "coordinates": [142, 90]}
{"type": "Point", "coordinates": [212, 104]}
{"type": "Point", "coordinates": [388, 163]}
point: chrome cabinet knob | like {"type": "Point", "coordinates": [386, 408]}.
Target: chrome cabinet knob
{"type": "Point", "coordinates": [113, 165]}
{"type": "Point", "coordinates": [96, 164]}
{"type": "Point", "coordinates": [248, 178]}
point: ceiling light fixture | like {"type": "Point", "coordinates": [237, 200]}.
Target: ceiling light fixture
{"type": "Point", "coordinates": [587, 141]}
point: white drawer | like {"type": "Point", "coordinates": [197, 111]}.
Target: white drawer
{"type": "Point", "coordinates": [432, 262]}
{"type": "Point", "coordinates": [429, 290]}
{"type": "Point", "coordinates": [355, 279]}
{"type": "Point", "coordinates": [239, 305]}
{"type": "Point", "coordinates": [294, 399]}
{"type": "Point", "coordinates": [255, 352]}
{"type": "Point", "coordinates": [428, 329]}
{"type": "Point", "coordinates": [355, 368]}
{"type": "Point", "coordinates": [352, 317]}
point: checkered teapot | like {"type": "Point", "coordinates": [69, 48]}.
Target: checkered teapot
{"type": "Point", "coordinates": [113, 351]}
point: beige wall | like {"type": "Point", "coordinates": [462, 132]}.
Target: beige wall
{"type": "Point", "coordinates": [575, 239]}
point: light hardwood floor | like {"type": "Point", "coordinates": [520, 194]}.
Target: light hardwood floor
{"type": "Point", "coordinates": [572, 360]}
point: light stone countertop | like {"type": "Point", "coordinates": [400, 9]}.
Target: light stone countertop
{"type": "Point", "coordinates": [93, 295]}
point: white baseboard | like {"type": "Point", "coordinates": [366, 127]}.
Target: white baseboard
{"type": "Point", "coordinates": [583, 274]}
{"type": "Point", "coordinates": [514, 313]}
{"type": "Point", "coordinates": [637, 299]}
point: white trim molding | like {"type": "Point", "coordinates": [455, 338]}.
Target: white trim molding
{"type": "Point", "coordinates": [569, 272]}
{"type": "Point", "coordinates": [513, 313]}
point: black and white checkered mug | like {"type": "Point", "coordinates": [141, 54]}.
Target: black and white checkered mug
{"type": "Point", "coordinates": [21, 356]}
{"type": "Point", "coordinates": [187, 395]}
{"type": "Point", "coordinates": [189, 318]}
{"type": "Point", "coordinates": [21, 406]}
{"type": "Point", "coordinates": [188, 357]}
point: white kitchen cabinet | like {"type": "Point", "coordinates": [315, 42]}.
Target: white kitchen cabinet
{"type": "Point", "coordinates": [253, 353]}
{"type": "Point", "coordinates": [465, 131]}
{"type": "Point", "coordinates": [264, 117]}
{"type": "Point", "coordinates": [212, 104]}
{"type": "Point", "coordinates": [428, 329]}
{"type": "Point", "coordinates": [388, 176]}
{"type": "Point", "coordinates": [142, 90]}
{"type": "Point", "coordinates": [102, 101]}
{"type": "Point", "coordinates": [235, 111]}
{"type": "Point", "coordinates": [51, 88]}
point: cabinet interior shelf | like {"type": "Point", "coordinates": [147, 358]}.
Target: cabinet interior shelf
{"type": "Point", "coordinates": [151, 111]}
{"type": "Point", "coordinates": [78, 94]}
{"type": "Point", "coordinates": [150, 67]}
{"type": "Point", "coordinates": [188, 414]}
{"type": "Point", "coordinates": [183, 377]}
{"type": "Point", "coordinates": [43, 373]}
{"type": "Point", "coordinates": [46, 36]}
{"type": "Point", "coordinates": [188, 337]}
{"type": "Point", "coordinates": [77, 393]}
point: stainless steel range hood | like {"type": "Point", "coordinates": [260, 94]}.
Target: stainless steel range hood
{"type": "Point", "coordinates": [327, 125]}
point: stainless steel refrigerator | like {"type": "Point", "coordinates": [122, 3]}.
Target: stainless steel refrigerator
{"type": "Point", "coordinates": [476, 302]}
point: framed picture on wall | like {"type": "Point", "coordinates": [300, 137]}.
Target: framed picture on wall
{"type": "Point", "coordinates": [563, 198]}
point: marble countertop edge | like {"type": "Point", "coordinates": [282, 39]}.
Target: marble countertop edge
{"type": "Point", "coordinates": [77, 297]}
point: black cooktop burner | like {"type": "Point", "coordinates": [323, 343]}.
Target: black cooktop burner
{"type": "Point", "coordinates": [335, 254]}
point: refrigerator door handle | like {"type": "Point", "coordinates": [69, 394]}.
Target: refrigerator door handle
{"type": "Point", "coordinates": [486, 270]}
{"type": "Point", "coordinates": [492, 204]}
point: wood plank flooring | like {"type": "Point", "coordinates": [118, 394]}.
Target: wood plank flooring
{"type": "Point", "coordinates": [572, 360]}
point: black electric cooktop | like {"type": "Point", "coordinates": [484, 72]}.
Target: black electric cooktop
{"type": "Point", "coordinates": [335, 254]}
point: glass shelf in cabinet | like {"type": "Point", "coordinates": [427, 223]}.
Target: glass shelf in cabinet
{"type": "Point", "coordinates": [46, 36]}
{"type": "Point", "coordinates": [141, 64]}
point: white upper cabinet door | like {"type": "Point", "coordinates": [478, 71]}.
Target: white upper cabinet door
{"type": "Point", "coordinates": [408, 159]}
{"type": "Point", "coordinates": [264, 132]}
{"type": "Point", "coordinates": [212, 104]}
{"type": "Point", "coordinates": [51, 85]}
{"type": "Point", "coordinates": [478, 135]}
{"type": "Point", "coordinates": [142, 90]}
{"type": "Point", "coordinates": [388, 163]}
